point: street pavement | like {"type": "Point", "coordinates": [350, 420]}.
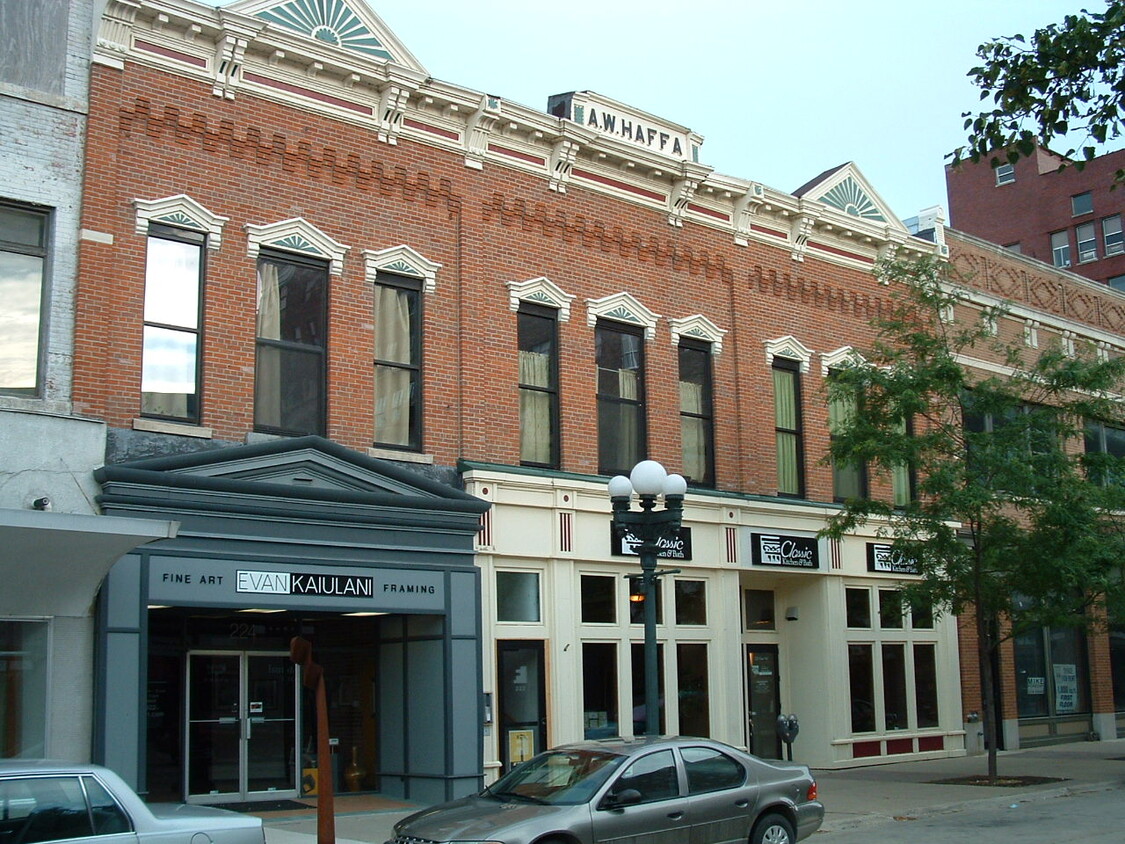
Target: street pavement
{"type": "Point", "coordinates": [852, 797]}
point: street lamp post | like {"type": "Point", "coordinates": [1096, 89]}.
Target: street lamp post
{"type": "Point", "coordinates": [646, 528]}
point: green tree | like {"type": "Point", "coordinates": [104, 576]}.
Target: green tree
{"type": "Point", "coordinates": [1066, 78]}
{"type": "Point", "coordinates": [1007, 522]}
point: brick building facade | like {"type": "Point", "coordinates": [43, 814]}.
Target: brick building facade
{"type": "Point", "coordinates": [376, 343]}
{"type": "Point", "coordinates": [1061, 215]}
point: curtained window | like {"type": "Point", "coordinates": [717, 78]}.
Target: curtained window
{"type": "Point", "coordinates": [849, 480]}
{"type": "Point", "coordinates": [621, 403]}
{"type": "Point", "coordinates": [697, 429]}
{"type": "Point", "coordinates": [398, 366]}
{"type": "Point", "coordinates": [787, 428]}
{"type": "Point", "coordinates": [23, 255]}
{"type": "Point", "coordinates": [170, 362]}
{"type": "Point", "coordinates": [289, 385]}
{"type": "Point", "coordinates": [538, 379]}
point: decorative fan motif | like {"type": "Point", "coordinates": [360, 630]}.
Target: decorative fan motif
{"type": "Point", "coordinates": [330, 21]}
{"type": "Point", "coordinates": [850, 198]}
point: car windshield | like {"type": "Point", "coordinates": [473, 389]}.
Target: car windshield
{"type": "Point", "coordinates": [559, 777]}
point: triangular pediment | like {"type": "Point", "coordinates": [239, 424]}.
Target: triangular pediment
{"type": "Point", "coordinates": [350, 25]}
{"type": "Point", "coordinates": [845, 189]}
{"type": "Point", "coordinates": [297, 468]}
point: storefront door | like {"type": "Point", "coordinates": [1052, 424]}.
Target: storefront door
{"type": "Point", "coordinates": [522, 701]}
{"type": "Point", "coordinates": [763, 700]}
{"type": "Point", "coordinates": [241, 727]}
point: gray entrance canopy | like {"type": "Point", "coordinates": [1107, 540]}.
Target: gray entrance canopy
{"type": "Point", "coordinates": [60, 559]}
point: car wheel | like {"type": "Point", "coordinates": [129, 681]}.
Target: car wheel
{"type": "Point", "coordinates": [773, 829]}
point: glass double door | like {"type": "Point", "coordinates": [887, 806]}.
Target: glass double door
{"type": "Point", "coordinates": [241, 740]}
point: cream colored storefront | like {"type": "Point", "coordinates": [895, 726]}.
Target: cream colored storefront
{"type": "Point", "coordinates": [759, 618]}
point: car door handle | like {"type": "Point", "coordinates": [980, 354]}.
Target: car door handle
{"type": "Point", "coordinates": [742, 804]}
{"type": "Point", "coordinates": [676, 816]}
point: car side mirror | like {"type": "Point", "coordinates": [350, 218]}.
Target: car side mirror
{"type": "Point", "coordinates": [628, 797]}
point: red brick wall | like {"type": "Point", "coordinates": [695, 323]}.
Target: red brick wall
{"type": "Point", "coordinates": [154, 135]}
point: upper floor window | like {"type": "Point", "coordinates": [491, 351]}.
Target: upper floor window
{"type": "Point", "coordinates": [1117, 282]}
{"type": "Point", "coordinates": [1105, 449]}
{"type": "Point", "coordinates": [170, 361]}
{"type": "Point", "coordinates": [292, 317]}
{"type": "Point", "coordinates": [1087, 242]}
{"type": "Point", "coordinates": [1081, 203]}
{"type": "Point", "coordinates": [1060, 249]}
{"type": "Point", "coordinates": [697, 425]}
{"type": "Point", "coordinates": [398, 361]}
{"type": "Point", "coordinates": [1005, 174]}
{"type": "Point", "coordinates": [904, 480]}
{"type": "Point", "coordinates": [849, 480]}
{"type": "Point", "coordinates": [539, 385]}
{"type": "Point", "coordinates": [788, 433]}
{"type": "Point", "coordinates": [621, 396]}
{"type": "Point", "coordinates": [1111, 234]}
{"type": "Point", "coordinates": [1014, 247]}
{"type": "Point", "coordinates": [23, 256]}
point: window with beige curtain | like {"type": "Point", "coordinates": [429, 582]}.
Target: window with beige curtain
{"type": "Point", "coordinates": [538, 379]}
{"type": "Point", "coordinates": [621, 401]}
{"type": "Point", "coordinates": [292, 318]}
{"type": "Point", "coordinates": [696, 421]}
{"type": "Point", "coordinates": [397, 362]}
{"type": "Point", "coordinates": [849, 480]}
{"type": "Point", "coordinates": [787, 427]}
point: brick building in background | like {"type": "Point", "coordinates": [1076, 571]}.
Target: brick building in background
{"type": "Point", "coordinates": [376, 342]}
{"type": "Point", "coordinates": [1067, 217]}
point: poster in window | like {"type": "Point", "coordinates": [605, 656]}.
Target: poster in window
{"type": "Point", "coordinates": [1066, 689]}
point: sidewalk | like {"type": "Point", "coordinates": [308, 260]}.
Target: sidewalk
{"type": "Point", "coordinates": [851, 797]}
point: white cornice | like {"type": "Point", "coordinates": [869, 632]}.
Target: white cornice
{"type": "Point", "coordinates": [232, 51]}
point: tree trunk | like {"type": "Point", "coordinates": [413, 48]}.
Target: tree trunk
{"type": "Point", "coordinates": [985, 647]}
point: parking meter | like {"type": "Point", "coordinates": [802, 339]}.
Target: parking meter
{"type": "Point", "coordinates": [787, 729]}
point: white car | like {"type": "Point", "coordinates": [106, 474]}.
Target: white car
{"type": "Point", "coordinates": [52, 801]}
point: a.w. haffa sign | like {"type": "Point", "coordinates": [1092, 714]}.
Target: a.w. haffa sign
{"type": "Point", "coordinates": [677, 547]}
{"type": "Point", "coordinates": [617, 120]}
{"type": "Point", "coordinates": [776, 549]}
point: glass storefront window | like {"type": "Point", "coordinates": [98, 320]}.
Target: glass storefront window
{"type": "Point", "coordinates": [691, 602]}
{"type": "Point", "coordinates": [640, 718]}
{"type": "Point", "coordinates": [695, 719]}
{"type": "Point", "coordinates": [759, 609]}
{"type": "Point", "coordinates": [861, 681]}
{"type": "Point", "coordinates": [925, 686]}
{"type": "Point", "coordinates": [517, 596]}
{"type": "Point", "coordinates": [890, 610]}
{"type": "Point", "coordinates": [599, 690]}
{"type": "Point", "coordinates": [894, 687]}
{"type": "Point", "coordinates": [1117, 664]}
{"type": "Point", "coordinates": [1051, 673]}
{"type": "Point", "coordinates": [599, 604]}
{"type": "Point", "coordinates": [637, 601]}
{"type": "Point", "coordinates": [858, 607]}
{"type": "Point", "coordinates": [23, 688]}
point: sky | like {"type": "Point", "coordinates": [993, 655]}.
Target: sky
{"type": "Point", "coordinates": [780, 91]}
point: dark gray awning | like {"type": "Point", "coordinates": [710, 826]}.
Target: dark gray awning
{"type": "Point", "coordinates": [53, 563]}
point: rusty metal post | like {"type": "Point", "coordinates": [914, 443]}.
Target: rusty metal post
{"type": "Point", "coordinates": [300, 651]}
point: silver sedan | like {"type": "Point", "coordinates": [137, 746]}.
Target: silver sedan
{"type": "Point", "coordinates": [50, 801]}
{"type": "Point", "coordinates": [674, 790]}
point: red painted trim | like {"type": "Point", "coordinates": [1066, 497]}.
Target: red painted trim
{"type": "Point", "coordinates": [614, 183]}
{"type": "Point", "coordinates": [710, 212]}
{"type": "Point", "coordinates": [149, 47]}
{"type": "Point", "coordinates": [834, 251]}
{"type": "Point", "coordinates": [900, 745]}
{"type": "Point", "coordinates": [863, 749]}
{"type": "Point", "coordinates": [523, 156]}
{"type": "Point", "coordinates": [926, 743]}
{"type": "Point", "coordinates": [305, 92]}
{"type": "Point", "coordinates": [764, 230]}
{"type": "Point", "coordinates": [433, 130]}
